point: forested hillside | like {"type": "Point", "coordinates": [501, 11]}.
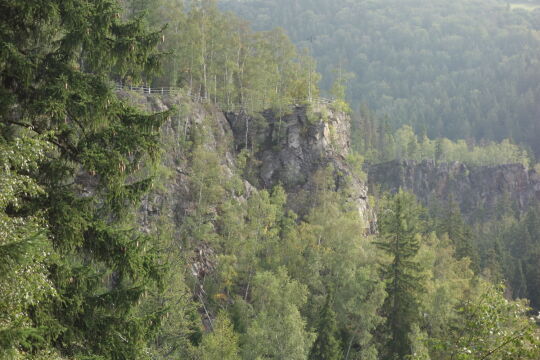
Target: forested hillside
{"type": "Point", "coordinates": [172, 187]}
{"type": "Point", "coordinates": [458, 69]}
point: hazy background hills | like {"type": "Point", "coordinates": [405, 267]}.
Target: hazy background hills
{"type": "Point", "coordinates": [459, 69]}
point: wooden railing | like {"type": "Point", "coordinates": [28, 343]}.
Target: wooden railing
{"type": "Point", "coordinates": [159, 91]}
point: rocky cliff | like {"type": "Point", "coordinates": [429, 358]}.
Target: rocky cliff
{"type": "Point", "coordinates": [291, 148]}
{"type": "Point", "coordinates": [478, 189]}
{"type": "Point", "coordinates": [287, 149]}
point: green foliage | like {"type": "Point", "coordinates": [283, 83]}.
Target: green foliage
{"type": "Point", "coordinates": [407, 145]}
{"type": "Point", "coordinates": [24, 250]}
{"type": "Point", "coordinates": [240, 275]}
{"type": "Point", "coordinates": [447, 281]}
{"type": "Point", "coordinates": [447, 219]}
{"type": "Point", "coordinates": [278, 330]}
{"type": "Point", "coordinates": [400, 227]}
{"type": "Point", "coordinates": [338, 91]}
{"type": "Point", "coordinates": [222, 343]}
{"type": "Point", "coordinates": [327, 345]}
{"type": "Point", "coordinates": [181, 328]}
{"type": "Point", "coordinates": [339, 256]}
{"type": "Point", "coordinates": [217, 56]}
{"type": "Point", "coordinates": [459, 69]}
{"type": "Point", "coordinates": [490, 327]}
{"type": "Point", "coordinates": [55, 63]}
{"type": "Point", "coordinates": [356, 163]}
{"type": "Point", "coordinates": [257, 238]}
{"type": "Point", "coordinates": [515, 243]}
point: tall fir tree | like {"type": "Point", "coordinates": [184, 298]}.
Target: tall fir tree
{"type": "Point", "coordinates": [327, 345]}
{"type": "Point", "coordinates": [400, 228]}
{"type": "Point", "coordinates": [56, 60]}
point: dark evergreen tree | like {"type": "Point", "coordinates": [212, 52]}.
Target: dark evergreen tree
{"type": "Point", "coordinates": [449, 220]}
{"type": "Point", "coordinates": [56, 59]}
{"type": "Point", "coordinates": [327, 345]}
{"type": "Point", "coordinates": [522, 243]}
{"type": "Point", "coordinates": [400, 228]}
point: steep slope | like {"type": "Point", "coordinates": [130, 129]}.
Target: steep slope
{"type": "Point", "coordinates": [292, 148]}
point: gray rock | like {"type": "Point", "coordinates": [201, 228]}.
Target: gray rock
{"type": "Point", "coordinates": [291, 148]}
{"type": "Point", "coordinates": [477, 189]}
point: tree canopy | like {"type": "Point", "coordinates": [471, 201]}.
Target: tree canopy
{"type": "Point", "coordinates": [73, 154]}
{"type": "Point", "coordinates": [458, 69]}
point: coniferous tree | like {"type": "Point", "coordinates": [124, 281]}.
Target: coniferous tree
{"type": "Point", "coordinates": [521, 250]}
{"type": "Point", "coordinates": [56, 59]}
{"type": "Point", "coordinates": [449, 220]}
{"type": "Point", "coordinates": [327, 345]}
{"type": "Point", "coordinates": [400, 227]}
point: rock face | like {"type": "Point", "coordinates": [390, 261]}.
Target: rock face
{"type": "Point", "coordinates": [289, 150]}
{"type": "Point", "coordinates": [478, 189]}
{"type": "Point", "coordinates": [292, 148]}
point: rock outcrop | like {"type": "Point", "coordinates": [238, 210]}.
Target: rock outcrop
{"type": "Point", "coordinates": [478, 189]}
{"type": "Point", "coordinates": [292, 148]}
{"type": "Point", "coordinates": [289, 150]}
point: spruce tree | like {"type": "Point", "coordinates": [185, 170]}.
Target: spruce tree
{"type": "Point", "coordinates": [400, 226]}
{"type": "Point", "coordinates": [450, 221]}
{"type": "Point", "coordinates": [327, 345]}
{"type": "Point", "coordinates": [56, 58]}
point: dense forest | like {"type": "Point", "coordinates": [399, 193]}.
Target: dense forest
{"type": "Point", "coordinates": [91, 269]}
{"type": "Point", "coordinates": [217, 56]}
{"type": "Point", "coordinates": [458, 69]}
